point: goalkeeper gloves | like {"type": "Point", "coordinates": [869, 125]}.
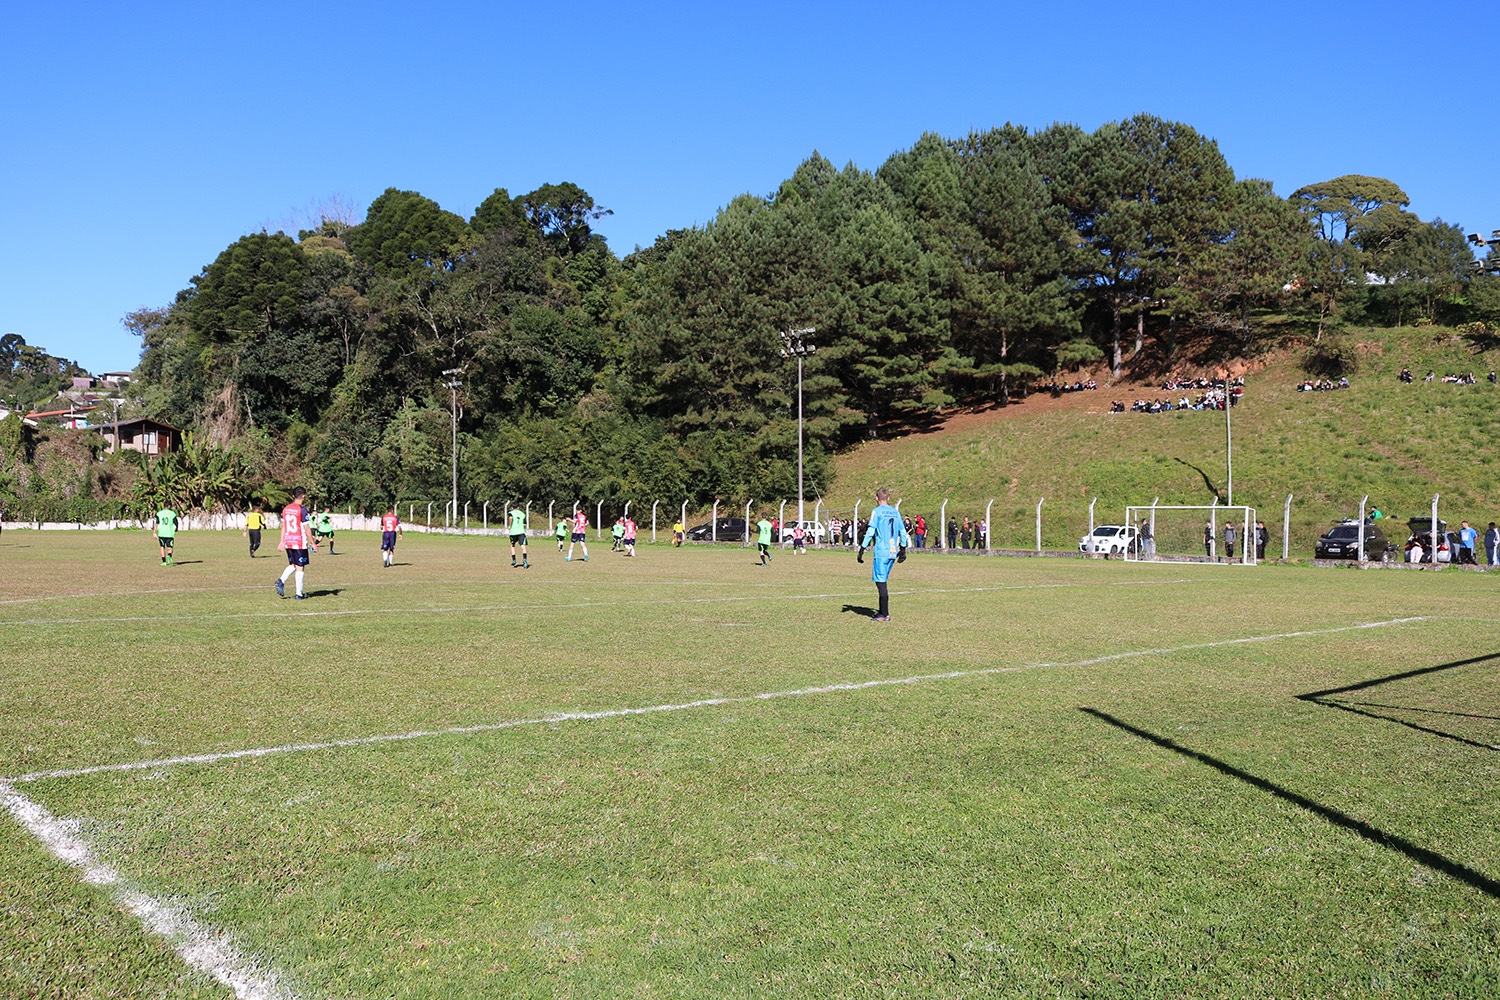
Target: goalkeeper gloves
{"type": "Point", "coordinates": [861, 557]}
{"type": "Point", "coordinates": [901, 554]}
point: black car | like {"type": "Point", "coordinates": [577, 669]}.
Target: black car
{"type": "Point", "coordinates": [1342, 542]}
{"type": "Point", "coordinates": [730, 529]}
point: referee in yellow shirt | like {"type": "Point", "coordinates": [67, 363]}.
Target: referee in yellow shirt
{"type": "Point", "coordinates": [254, 521]}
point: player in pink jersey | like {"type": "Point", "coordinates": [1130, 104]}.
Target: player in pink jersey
{"type": "Point", "coordinates": [296, 538]}
{"type": "Point", "coordinates": [390, 527]}
{"type": "Point", "coordinates": [630, 530]}
{"type": "Point", "coordinates": [580, 534]}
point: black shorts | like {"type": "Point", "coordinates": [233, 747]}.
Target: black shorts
{"type": "Point", "coordinates": [296, 557]}
{"type": "Point", "coordinates": [578, 536]}
{"type": "Point", "coordinates": [516, 539]}
{"type": "Point", "coordinates": [388, 541]}
{"type": "Point", "coordinates": [165, 539]}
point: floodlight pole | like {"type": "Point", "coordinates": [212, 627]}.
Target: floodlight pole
{"type": "Point", "coordinates": [455, 380]}
{"type": "Point", "coordinates": [1492, 262]}
{"type": "Point", "coordinates": [795, 345]}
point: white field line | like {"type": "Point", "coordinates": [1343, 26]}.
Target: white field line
{"type": "Point", "coordinates": [201, 947]}
{"type": "Point", "coordinates": [615, 713]}
{"type": "Point", "coordinates": [470, 609]}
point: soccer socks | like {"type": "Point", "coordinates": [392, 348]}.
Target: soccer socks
{"type": "Point", "coordinates": [885, 600]}
{"type": "Point", "coordinates": [299, 581]}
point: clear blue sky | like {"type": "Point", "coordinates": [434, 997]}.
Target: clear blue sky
{"type": "Point", "coordinates": [139, 140]}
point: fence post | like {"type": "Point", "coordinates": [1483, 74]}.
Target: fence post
{"type": "Point", "coordinates": [1434, 536]}
{"type": "Point", "coordinates": [943, 525]}
{"type": "Point", "coordinates": [429, 515]}
{"type": "Point", "coordinates": [1039, 524]}
{"type": "Point", "coordinates": [1091, 552]}
{"type": "Point", "coordinates": [748, 505]}
{"type": "Point", "coordinates": [683, 522]}
{"type": "Point", "coordinates": [857, 539]}
{"type": "Point", "coordinates": [466, 517]}
{"type": "Point", "coordinates": [1286, 528]}
{"type": "Point", "coordinates": [653, 520]}
{"type": "Point", "coordinates": [817, 518]}
{"type": "Point", "coordinates": [988, 546]}
{"type": "Point", "coordinates": [1362, 501]}
{"type": "Point", "coordinates": [1213, 528]}
{"type": "Point", "coordinates": [599, 521]}
{"type": "Point", "coordinates": [713, 524]}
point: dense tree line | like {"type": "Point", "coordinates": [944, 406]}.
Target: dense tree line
{"type": "Point", "coordinates": [957, 273]}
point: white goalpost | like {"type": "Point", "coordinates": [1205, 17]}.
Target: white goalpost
{"type": "Point", "coordinates": [1170, 533]}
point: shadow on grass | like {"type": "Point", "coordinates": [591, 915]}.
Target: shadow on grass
{"type": "Point", "coordinates": [1206, 481]}
{"type": "Point", "coordinates": [1328, 699]}
{"type": "Point", "coordinates": [326, 592]}
{"type": "Point", "coordinates": [859, 609]}
{"type": "Point", "coordinates": [1373, 834]}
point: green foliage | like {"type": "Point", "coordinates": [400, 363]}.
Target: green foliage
{"type": "Point", "coordinates": [196, 477]}
{"type": "Point", "coordinates": [957, 274]}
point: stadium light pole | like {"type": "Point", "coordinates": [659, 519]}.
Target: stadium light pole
{"type": "Point", "coordinates": [1492, 262]}
{"type": "Point", "coordinates": [455, 380]}
{"type": "Point", "coordinates": [794, 345]}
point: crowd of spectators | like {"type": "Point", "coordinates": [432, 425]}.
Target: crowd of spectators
{"type": "Point", "coordinates": [1057, 389]}
{"type": "Point", "coordinates": [1463, 378]}
{"type": "Point", "coordinates": [1211, 399]}
{"type": "Point", "coordinates": [1323, 385]}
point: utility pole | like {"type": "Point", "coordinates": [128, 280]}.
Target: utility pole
{"type": "Point", "coordinates": [793, 345]}
{"type": "Point", "coordinates": [455, 380]}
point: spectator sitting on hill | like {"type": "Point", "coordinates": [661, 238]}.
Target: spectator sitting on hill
{"type": "Point", "coordinates": [1406, 375]}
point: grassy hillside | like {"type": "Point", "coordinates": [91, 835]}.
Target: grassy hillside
{"type": "Point", "coordinates": [1398, 443]}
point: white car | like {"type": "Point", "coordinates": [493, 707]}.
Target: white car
{"type": "Point", "coordinates": [1109, 540]}
{"type": "Point", "coordinates": [813, 533]}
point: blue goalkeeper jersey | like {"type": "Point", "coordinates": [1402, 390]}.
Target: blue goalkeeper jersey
{"type": "Point", "coordinates": [886, 534]}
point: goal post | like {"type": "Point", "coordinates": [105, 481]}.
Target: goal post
{"type": "Point", "coordinates": [1171, 533]}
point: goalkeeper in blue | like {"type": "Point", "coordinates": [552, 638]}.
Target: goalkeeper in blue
{"type": "Point", "coordinates": [886, 538]}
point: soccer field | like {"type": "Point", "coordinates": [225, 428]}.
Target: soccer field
{"type": "Point", "coordinates": [684, 775]}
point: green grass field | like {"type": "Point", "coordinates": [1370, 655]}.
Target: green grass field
{"type": "Point", "coordinates": [688, 776]}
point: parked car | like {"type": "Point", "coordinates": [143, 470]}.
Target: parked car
{"type": "Point", "coordinates": [730, 529]}
{"type": "Point", "coordinates": [1419, 545]}
{"type": "Point", "coordinates": [1110, 540]}
{"type": "Point", "coordinates": [1342, 542]}
{"type": "Point", "coordinates": [813, 533]}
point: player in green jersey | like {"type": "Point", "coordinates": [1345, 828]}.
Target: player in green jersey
{"type": "Point", "coordinates": [166, 533]}
{"type": "Point", "coordinates": [518, 537]}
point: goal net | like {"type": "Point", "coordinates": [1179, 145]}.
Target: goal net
{"type": "Point", "coordinates": [1192, 534]}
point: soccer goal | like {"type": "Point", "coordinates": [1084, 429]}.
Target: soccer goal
{"type": "Point", "coordinates": [1192, 534]}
